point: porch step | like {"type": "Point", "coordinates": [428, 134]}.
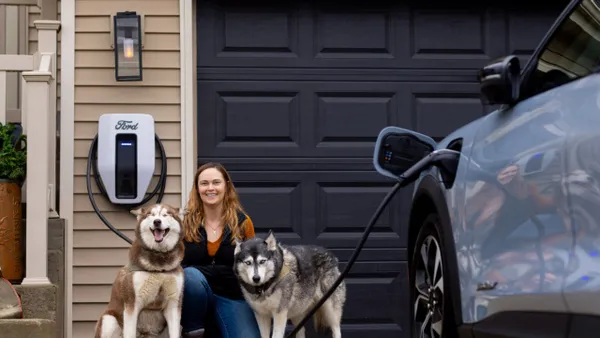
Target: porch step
{"type": "Point", "coordinates": [39, 312]}
{"type": "Point", "coordinates": [38, 301]}
{"type": "Point", "coordinates": [27, 328]}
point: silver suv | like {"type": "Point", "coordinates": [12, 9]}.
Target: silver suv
{"type": "Point", "coordinates": [504, 235]}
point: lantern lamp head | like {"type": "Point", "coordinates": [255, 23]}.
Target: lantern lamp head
{"type": "Point", "coordinates": [128, 46]}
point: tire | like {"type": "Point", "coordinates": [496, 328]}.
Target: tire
{"type": "Point", "coordinates": [434, 302]}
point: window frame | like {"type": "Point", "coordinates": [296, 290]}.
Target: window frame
{"type": "Point", "coordinates": [532, 63]}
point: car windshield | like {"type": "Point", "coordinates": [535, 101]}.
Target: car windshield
{"type": "Point", "coordinates": [572, 52]}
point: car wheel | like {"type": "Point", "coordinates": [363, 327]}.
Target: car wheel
{"type": "Point", "coordinates": [429, 289]}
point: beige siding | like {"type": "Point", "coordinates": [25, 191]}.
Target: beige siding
{"type": "Point", "coordinates": [97, 252]}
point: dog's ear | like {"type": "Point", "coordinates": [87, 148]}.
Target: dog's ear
{"type": "Point", "coordinates": [138, 212]}
{"type": "Point", "coordinates": [181, 212]}
{"type": "Point", "coordinates": [237, 246]}
{"type": "Point", "coordinates": [271, 241]}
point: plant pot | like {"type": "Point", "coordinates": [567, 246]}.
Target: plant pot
{"type": "Point", "coordinates": [11, 230]}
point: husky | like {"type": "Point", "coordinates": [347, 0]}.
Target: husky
{"type": "Point", "coordinates": [282, 282]}
{"type": "Point", "coordinates": [147, 293]}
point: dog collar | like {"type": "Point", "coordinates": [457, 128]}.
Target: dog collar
{"type": "Point", "coordinates": [285, 269]}
{"type": "Point", "coordinates": [132, 267]}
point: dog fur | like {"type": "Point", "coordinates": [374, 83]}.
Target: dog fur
{"type": "Point", "coordinates": [282, 282]}
{"type": "Point", "coordinates": [147, 294]}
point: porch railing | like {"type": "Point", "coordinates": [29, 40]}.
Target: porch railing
{"type": "Point", "coordinates": [38, 118]}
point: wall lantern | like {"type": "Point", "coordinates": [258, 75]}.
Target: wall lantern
{"type": "Point", "coordinates": [127, 43]}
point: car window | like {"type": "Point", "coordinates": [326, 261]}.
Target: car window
{"type": "Point", "coordinates": [572, 52]}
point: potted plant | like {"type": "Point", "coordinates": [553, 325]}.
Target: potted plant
{"type": "Point", "coordinates": [13, 167]}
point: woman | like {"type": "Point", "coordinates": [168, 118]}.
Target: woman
{"type": "Point", "coordinates": [212, 295]}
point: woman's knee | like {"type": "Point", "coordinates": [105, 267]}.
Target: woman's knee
{"type": "Point", "coordinates": [195, 287]}
{"type": "Point", "coordinates": [236, 319]}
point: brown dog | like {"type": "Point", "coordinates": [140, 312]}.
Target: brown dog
{"type": "Point", "coordinates": [147, 293]}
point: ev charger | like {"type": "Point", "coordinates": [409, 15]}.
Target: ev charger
{"type": "Point", "coordinates": [126, 156]}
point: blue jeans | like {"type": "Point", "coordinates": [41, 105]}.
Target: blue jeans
{"type": "Point", "coordinates": [202, 309]}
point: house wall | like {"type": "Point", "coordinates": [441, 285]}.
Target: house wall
{"type": "Point", "coordinates": [97, 252]}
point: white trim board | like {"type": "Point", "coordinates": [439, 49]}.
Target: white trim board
{"type": "Point", "coordinates": [67, 145]}
{"type": "Point", "coordinates": [186, 36]}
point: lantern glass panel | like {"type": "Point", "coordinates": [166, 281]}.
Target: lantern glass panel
{"type": "Point", "coordinates": [128, 54]}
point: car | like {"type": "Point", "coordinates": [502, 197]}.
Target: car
{"type": "Point", "coordinates": [504, 224]}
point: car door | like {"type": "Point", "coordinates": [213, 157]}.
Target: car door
{"type": "Point", "coordinates": [582, 159]}
{"type": "Point", "coordinates": [518, 190]}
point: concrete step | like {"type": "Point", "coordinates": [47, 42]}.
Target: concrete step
{"type": "Point", "coordinates": [38, 301]}
{"type": "Point", "coordinates": [27, 328]}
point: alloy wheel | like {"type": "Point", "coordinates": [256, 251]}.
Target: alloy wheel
{"type": "Point", "coordinates": [429, 290]}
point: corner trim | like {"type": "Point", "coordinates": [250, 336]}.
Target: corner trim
{"type": "Point", "coordinates": [67, 148]}
{"type": "Point", "coordinates": [188, 162]}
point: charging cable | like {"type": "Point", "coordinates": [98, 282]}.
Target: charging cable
{"type": "Point", "coordinates": [405, 179]}
{"type": "Point", "coordinates": [92, 166]}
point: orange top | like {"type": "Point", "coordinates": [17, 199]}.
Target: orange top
{"type": "Point", "coordinates": [248, 233]}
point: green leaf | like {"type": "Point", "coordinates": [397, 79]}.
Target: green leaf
{"type": "Point", "coordinates": [13, 154]}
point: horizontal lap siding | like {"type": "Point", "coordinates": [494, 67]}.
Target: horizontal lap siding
{"type": "Point", "coordinates": [97, 252]}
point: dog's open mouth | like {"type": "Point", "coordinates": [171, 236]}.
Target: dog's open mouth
{"type": "Point", "coordinates": [159, 234]}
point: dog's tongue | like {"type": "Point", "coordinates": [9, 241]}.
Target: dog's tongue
{"type": "Point", "coordinates": [158, 235]}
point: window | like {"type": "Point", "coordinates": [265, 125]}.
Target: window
{"type": "Point", "coordinates": [572, 52]}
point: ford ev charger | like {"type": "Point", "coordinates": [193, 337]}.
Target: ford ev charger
{"type": "Point", "coordinates": [126, 155]}
{"type": "Point", "coordinates": [122, 158]}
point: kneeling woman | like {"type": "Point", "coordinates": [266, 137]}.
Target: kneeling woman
{"type": "Point", "coordinates": [212, 294]}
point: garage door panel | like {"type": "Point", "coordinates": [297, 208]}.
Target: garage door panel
{"type": "Point", "coordinates": [373, 36]}
{"type": "Point", "coordinates": [241, 118]}
{"type": "Point", "coordinates": [275, 206]}
{"type": "Point", "coordinates": [232, 119]}
{"type": "Point", "coordinates": [440, 108]}
{"type": "Point", "coordinates": [335, 218]}
{"type": "Point", "coordinates": [422, 35]}
{"type": "Point", "coordinates": [326, 208]}
{"type": "Point", "coordinates": [365, 33]}
{"type": "Point", "coordinates": [323, 119]}
{"type": "Point", "coordinates": [382, 301]}
{"type": "Point", "coordinates": [293, 118]}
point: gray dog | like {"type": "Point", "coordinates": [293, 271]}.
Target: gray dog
{"type": "Point", "coordinates": [283, 282]}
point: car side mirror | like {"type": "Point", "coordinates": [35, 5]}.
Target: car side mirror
{"type": "Point", "coordinates": [398, 149]}
{"type": "Point", "coordinates": [499, 81]}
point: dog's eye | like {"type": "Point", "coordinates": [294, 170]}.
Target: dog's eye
{"type": "Point", "coordinates": [262, 261]}
{"type": "Point", "coordinates": [248, 263]}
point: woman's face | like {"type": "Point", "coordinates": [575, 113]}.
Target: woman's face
{"type": "Point", "coordinates": [211, 186]}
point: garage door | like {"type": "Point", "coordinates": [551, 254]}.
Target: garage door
{"type": "Point", "coordinates": [291, 97]}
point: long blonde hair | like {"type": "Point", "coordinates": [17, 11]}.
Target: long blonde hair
{"type": "Point", "coordinates": [195, 208]}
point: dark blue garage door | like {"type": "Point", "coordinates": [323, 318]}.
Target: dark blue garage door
{"type": "Point", "coordinates": [291, 96]}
